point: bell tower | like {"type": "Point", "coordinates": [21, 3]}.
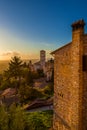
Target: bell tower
{"type": "Point", "coordinates": [42, 57]}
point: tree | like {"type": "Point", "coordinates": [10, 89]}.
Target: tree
{"type": "Point", "coordinates": [40, 72]}
{"type": "Point", "coordinates": [3, 118]}
{"type": "Point", "coordinates": [35, 122]}
{"type": "Point", "coordinates": [40, 120]}
{"type": "Point", "coordinates": [28, 93]}
{"type": "Point", "coordinates": [1, 78]}
{"type": "Point", "coordinates": [17, 118]}
{"type": "Point", "coordinates": [15, 69]}
{"type": "Point", "coordinates": [49, 90]}
{"type": "Point", "coordinates": [29, 78]}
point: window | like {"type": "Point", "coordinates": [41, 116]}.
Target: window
{"type": "Point", "coordinates": [85, 63]}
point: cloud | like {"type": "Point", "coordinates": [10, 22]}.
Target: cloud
{"type": "Point", "coordinates": [7, 55]}
{"type": "Point", "coordinates": [10, 53]}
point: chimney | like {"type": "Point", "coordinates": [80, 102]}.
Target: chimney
{"type": "Point", "coordinates": [78, 30]}
{"type": "Point", "coordinates": [78, 25]}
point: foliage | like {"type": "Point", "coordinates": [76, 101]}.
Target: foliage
{"type": "Point", "coordinates": [40, 120]}
{"type": "Point", "coordinates": [29, 78]}
{"type": "Point", "coordinates": [40, 72]}
{"type": "Point", "coordinates": [3, 118]}
{"type": "Point", "coordinates": [1, 78]}
{"type": "Point", "coordinates": [12, 76]}
{"type": "Point", "coordinates": [5, 84]}
{"type": "Point", "coordinates": [14, 118]}
{"type": "Point", "coordinates": [49, 90]}
{"type": "Point", "coordinates": [28, 93]}
{"type": "Point", "coordinates": [15, 65]}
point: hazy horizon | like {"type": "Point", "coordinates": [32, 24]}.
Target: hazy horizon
{"type": "Point", "coordinates": [28, 26]}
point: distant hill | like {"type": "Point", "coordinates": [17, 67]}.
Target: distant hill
{"type": "Point", "coordinates": [4, 63]}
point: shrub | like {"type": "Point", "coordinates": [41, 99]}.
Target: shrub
{"type": "Point", "coordinates": [49, 90]}
{"type": "Point", "coordinates": [4, 118]}
{"type": "Point", "coordinates": [28, 93]}
{"type": "Point", "coordinates": [40, 120]}
{"type": "Point", "coordinates": [14, 118]}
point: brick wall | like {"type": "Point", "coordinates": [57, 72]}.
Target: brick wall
{"type": "Point", "coordinates": [70, 83]}
{"type": "Point", "coordinates": [85, 88]}
{"type": "Point", "coordinates": [62, 70]}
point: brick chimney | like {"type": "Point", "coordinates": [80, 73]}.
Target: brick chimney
{"type": "Point", "coordinates": [78, 30]}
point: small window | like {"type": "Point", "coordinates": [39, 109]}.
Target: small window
{"type": "Point", "coordinates": [85, 63]}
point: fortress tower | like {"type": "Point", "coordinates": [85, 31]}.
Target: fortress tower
{"type": "Point", "coordinates": [70, 82]}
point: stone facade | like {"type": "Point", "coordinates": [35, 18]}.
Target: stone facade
{"type": "Point", "coordinates": [49, 69]}
{"type": "Point", "coordinates": [46, 66]}
{"type": "Point", "coordinates": [40, 64]}
{"type": "Point", "coordinates": [70, 82]}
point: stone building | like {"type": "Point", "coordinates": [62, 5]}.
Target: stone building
{"type": "Point", "coordinates": [49, 69]}
{"type": "Point", "coordinates": [70, 82]}
{"type": "Point", "coordinates": [41, 64]}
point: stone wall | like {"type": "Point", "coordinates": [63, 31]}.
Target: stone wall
{"type": "Point", "coordinates": [85, 88]}
{"type": "Point", "coordinates": [62, 70]}
{"type": "Point", "coordinates": [76, 79]}
{"type": "Point", "coordinates": [70, 83]}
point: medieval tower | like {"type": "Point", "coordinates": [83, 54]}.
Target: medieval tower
{"type": "Point", "coordinates": [42, 57]}
{"type": "Point", "coordinates": [70, 82]}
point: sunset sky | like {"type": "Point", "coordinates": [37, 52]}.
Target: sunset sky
{"type": "Point", "coordinates": [28, 26]}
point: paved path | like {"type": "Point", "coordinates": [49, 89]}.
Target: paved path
{"type": "Point", "coordinates": [44, 108]}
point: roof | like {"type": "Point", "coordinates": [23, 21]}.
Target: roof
{"type": "Point", "coordinates": [9, 92]}
{"type": "Point", "coordinates": [60, 48]}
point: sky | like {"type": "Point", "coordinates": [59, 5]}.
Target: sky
{"type": "Point", "coordinates": [28, 26]}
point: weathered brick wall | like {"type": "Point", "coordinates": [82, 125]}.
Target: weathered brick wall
{"type": "Point", "coordinates": [70, 83]}
{"type": "Point", "coordinates": [62, 70]}
{"type": "Point", "coordinates": [76, 79]}
{"type": "Point", "coordinates": [85, 88]}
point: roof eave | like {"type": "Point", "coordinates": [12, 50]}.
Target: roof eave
{"type": "Point", "coordinates": [52, 53]}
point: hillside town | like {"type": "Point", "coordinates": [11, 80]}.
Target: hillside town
{"type": "Point", "coordinates": [43, 65]}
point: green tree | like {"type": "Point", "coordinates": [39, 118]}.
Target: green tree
{"type": "Point", "coordinates": [40, 72]}
{"type": "Point", "coordinates": [29, 78]}
{"type": "Point", "coordinates": [15, 65]}
{"type": "Point", "coordinates": [49, 89]}
{"type": "Point", "coordinates": [28, 93]}
{"type": "Point", "coordinates": [3, 118]}
{"type": "Point", "coordinates": [15, 70]}
{"type": "Point", "coordinates": [17, 118]}
{"type": "Point", "coordinates": [35, 122]}
{"type": "Point", "coordinates": [40, 120]}
{"type": "Point", "coordinates": [1, 78]}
